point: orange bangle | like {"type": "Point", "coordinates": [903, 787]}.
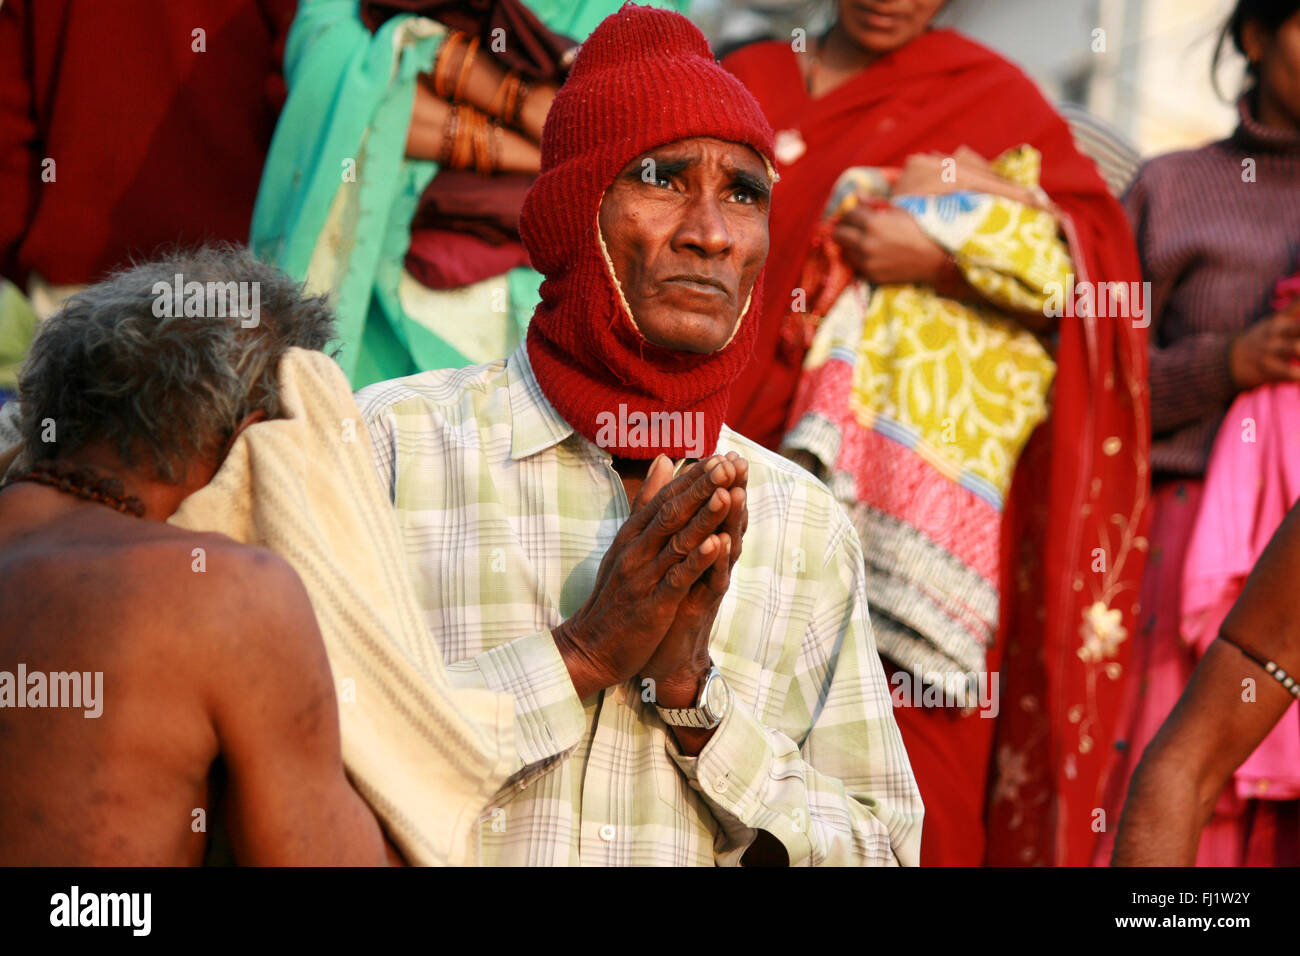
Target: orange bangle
{"type": "Point", "coordinates": [482, 150]}
{"type": "Point", "coordinates": [465, 64]}
{"type": "Point", "coordinates": [506, 94]}
{"type": "Point", "coordinates": [442, 66]}
{"type": "Point", "coordinates": [465, 140]}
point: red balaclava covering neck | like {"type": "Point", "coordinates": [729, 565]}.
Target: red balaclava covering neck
{"type": "Point", "coordinates": [643, 79]}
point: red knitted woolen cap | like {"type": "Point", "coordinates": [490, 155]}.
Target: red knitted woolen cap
{"type": "Point", "coordinates": [643, 79]}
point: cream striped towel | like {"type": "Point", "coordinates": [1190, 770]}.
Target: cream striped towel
{"type": "Point", "coordinates": [425, 756]}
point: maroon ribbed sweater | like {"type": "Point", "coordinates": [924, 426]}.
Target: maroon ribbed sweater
{"type": "Point", "coordinates": [1212, 247]}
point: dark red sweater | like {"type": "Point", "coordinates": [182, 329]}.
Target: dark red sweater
{"type": "Point", "coordinates": [152, 142]}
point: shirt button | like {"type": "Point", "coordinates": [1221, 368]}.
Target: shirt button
{"type": "Point", "coordinates": [720, 785]}
{"type": "Point", "coordinates": [607, 832]}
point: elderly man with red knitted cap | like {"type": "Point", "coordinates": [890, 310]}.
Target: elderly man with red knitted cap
{"type": "Point", "coordinates": [680, 699]}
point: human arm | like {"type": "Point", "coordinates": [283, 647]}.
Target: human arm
{"type": "Point", "coordinates": [886, 245]}
{"type": "Point", "coordinates": [1216, 724]}
{"type": "Point", "coordinates": [274, 710]}
{"type": "Point", "coordinates": [465, 91]}
{"type": "Point", "coordinates": [430, 119]}
{"type": "Point", "coordinates": [1005, 252]}
{"type": "Point", "coordinates": [479, 80]}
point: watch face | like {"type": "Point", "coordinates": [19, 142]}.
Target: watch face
{"type": "Point", "coordinates": [717, 697]}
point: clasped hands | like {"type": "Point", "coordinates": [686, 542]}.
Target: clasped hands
{"type": "Point", "coordinates": [661, 582]}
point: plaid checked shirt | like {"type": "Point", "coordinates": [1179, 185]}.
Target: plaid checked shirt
{"type": "Point", "coordinates": [506, 514]}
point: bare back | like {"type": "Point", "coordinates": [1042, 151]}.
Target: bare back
{"type": "Point", "coordinates": [190, 648]}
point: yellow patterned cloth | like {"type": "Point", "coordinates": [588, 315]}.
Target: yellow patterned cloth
{"type": "Point", "coordinates": [967, 383]}
{"type": "Point", "coordinates": [917, 408]}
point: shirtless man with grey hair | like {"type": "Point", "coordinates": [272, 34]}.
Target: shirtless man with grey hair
{"type": "Point", "coordinates": [212, 686]}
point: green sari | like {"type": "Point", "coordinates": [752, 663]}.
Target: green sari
{"type": "Point", "coordinates": [338, 193]}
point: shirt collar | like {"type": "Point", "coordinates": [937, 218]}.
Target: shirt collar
{"type": "Point", "coordinates": [535, 425]}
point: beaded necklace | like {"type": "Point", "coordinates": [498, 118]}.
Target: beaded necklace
{"type": "Point", "coordinates": [82, 481]}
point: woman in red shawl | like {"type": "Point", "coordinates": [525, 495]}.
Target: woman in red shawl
{"type": "Point", "coordinates": [882, 86]}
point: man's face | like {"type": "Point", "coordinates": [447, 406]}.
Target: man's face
{"type": "Point", "coordinates": [686, 230]}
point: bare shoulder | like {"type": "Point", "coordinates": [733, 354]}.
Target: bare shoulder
{"type": "Point", "coordinates": [212, 566]}
{"type": "Point", "coordinates": [249, 635]}
{"type": "Point", "coordinates": [247, 601]}
{"type": "Point", "coordinates": [180, 595]}
{"type": "Point", "coordinates": [202, 577]}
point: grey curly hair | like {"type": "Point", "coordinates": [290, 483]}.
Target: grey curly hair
{"type": "Point", "coordinates": [164, 389]}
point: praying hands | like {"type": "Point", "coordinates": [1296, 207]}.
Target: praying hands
{"type": "Point", "coordinates": [660, 584]}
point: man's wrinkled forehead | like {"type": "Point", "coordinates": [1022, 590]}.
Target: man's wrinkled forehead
{"type": "Point", "coordinates": [680, 155]}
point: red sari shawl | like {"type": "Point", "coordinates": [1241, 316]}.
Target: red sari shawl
{"type": "Point", "coordinates": [1075, 520]}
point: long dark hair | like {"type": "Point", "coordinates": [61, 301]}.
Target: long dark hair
{"type": "Point", "coordinates": [1269, 14]}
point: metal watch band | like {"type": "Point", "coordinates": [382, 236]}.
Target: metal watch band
{"type": "Point", "coordinates": [684, 717]}
{"type": "Point", "coordinates": [700, 716]}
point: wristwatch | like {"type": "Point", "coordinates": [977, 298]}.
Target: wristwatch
{"type": "Point", "coordinates": [712, 706]}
